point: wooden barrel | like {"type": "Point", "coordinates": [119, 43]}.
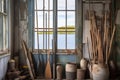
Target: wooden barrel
{"type": "Point", "coordinates": [80, 74]}
{"type": "Point", "coordinates": [100, 72]}
{"type": "Point", "coordinates": [59, 70]}
{"type": "Point", "coordinates": [71, 69]}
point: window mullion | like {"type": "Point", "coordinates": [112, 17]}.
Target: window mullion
{"type": "Point", "coordinates": [37, 27]}
{"type": "Point", "coordinates": [66, 25]}
{"type": "Point", "coordinates": [43, 24]}
{"type": "Point", "coordinates": [48, 24]}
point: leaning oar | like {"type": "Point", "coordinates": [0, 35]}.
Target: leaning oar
{"type": "Point", "coordinates": [48, 73]}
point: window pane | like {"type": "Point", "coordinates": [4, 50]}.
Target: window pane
{"type": "Point", "coordinates": [61, 4]}
{"type": "Point", "coordinates": [71, 4]}
{"type": "Point", "coordinates": [0, 5]}
{"type": "Point", "coordinates": [71, 19]}
{"type": "Point", "coordinates": [39, 4]}
{"type": "Point", "coordinates": [61, 19]}
{"type": "Point", "coordinates": [61, 41]}
{"type": "Point", "coordinates": [1, 32]}
{"type": "Point", "coordinates": [40, 19]}
{"type": "Point", "coordinates": [51, 19]}
{"type": "Point", "coordinates": [48, 4]}
{"type": "Point", "coordinates": [71, 40]}
{"type": "Point", "coordinates": [50, 41]}
{"type": "Point", "coordinates": [51, 4]}
{"type": "Point", "coordinates": [43, 38]}
{"type": "Point", "coordinates": [4, 4]}
{"type": "Point", "coordinates": [40, 40]}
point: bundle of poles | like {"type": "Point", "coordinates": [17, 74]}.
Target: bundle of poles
{"type": "Point", "coordinates": [101, 38]}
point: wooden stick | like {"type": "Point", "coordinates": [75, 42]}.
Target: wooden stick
{"type": "Point", "coordinates": [29, 57]}
{"type": "Point", "coordinates": [89, 51]}
{"type": "Point", "coordinates": [107, 45]}
{"type": "Point", "coordinates": [100, 52]}
{"type": "Point", "coordinates": [27, 60]}
{"type": "Point", "coordinates": [111, 40]}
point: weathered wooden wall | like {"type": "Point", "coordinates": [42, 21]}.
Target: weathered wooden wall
{"type": "Point", "coordinates": [117, 35]}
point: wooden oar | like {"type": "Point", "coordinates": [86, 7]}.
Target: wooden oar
{"type": "Point", "coordinates": [48, 73]}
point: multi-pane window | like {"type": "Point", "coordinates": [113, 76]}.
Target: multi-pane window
{"type": "Point", "coordinates": [3, 25]}
{"type": "Point", "coordinates": [44, 24]}
{"type": "Point", "coordinates": [66, 24]}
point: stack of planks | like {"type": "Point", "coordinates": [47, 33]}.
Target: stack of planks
{"type": "Point", "coordinates": [101, 38]}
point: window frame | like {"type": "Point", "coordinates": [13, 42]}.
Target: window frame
{"type": "Point", "coordinates": [4, 43]}
{"type": "Point", "coordinates": [69, 51]}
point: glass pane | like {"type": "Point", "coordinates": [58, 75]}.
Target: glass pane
{"type": "Point", "coordinates": [71, 4]}
{"type": "Point", "coordinates": [1, 5]}
{"type": "Point", "coordinates": [4, 6]}
{"type": "Point", "coordinates": [39, 4]}
{"type": "Point", "coordinates": [48, 4]}
{"type": "Point", "coordinates": [50, 41]}
{"type": "Point", "coordinates": [43, 38]}
{"type": "Point", "coordinates": [40, 35]}
{"type": "Point", "coordinates": [51, 19]}
{"type": "Point", "coordinates": [61, 4]}
{"type": "Point", "coordinates": [61, 19]}
{"type": "Point", "coordinates": [71, 40]}
{"type": "Point", "coordinates": [1, 32]}
{"type": "Point", "coordinates": [51, 4]}
{"type": "Point", "coordinates": [71, 19]}
{"type": "Point", "coordinates": [5, 24]}
{"type": "Point", "coordinates": [61, 41]}
{"type": "Point", "coordinates": [39, 19]}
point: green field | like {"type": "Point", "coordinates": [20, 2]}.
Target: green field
{"type": "Point", "coordinates": [61, 30]}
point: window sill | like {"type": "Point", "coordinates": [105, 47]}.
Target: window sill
{"type": "Point", "coordinates": [3, 13]}
{"type": "Point", "coordinates": [60, 51]}
{"type": "Point", "coordinates": [4, 53]}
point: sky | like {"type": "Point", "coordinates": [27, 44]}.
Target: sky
{"type": "Point", "coordinates": [61, 14]}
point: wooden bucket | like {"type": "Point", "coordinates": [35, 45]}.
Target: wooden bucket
{"type": "Point", "coordinates": [80, 74]}
{"type": "Point", "coordinates": [71, 69]}
{"type": "Point", "coordinates": [100, 72]}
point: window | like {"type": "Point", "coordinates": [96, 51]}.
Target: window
{"type": "Point", "coordinates": [66, 24]}
{"type": "Point", "coordinates": [3, 25]}
{"type": "Point", "coordinates": [43, 27]}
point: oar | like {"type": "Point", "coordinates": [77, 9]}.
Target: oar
{"type": "Point", "coordinates": [48, 73]}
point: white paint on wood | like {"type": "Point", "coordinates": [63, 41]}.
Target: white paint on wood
{"type": "Point", "coordinates": [86, 35]}
{"type": "Point", "coordinates": [3, 66]}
